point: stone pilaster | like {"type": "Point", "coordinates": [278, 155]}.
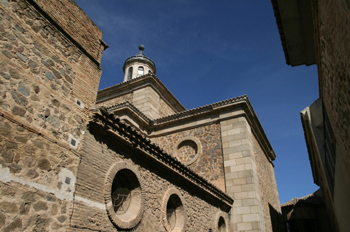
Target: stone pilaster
{"type": "Point", "coordinates": [242, 183]}
{"type": "Point", "coordinates": [147, 101]}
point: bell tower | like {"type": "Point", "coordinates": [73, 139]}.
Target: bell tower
{"type": "Point", "coordinates": [138, 65]}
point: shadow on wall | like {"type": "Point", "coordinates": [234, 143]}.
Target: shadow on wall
{"type": "Point", "coordinates": [276, 220]}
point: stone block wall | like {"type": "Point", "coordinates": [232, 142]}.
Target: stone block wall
{"type": "Point", "coordinates": [241, 174]}
{"type": "Point", "coordinates": [147, 101]}
{"type": "Point", "coordinates": [210, 162]}
{"type": "Point", "coordinates": [268, 190]}
{"type": "Point", "coordinates": [164, 109]}
{"type": "Point", "coordinates": [101, 151]}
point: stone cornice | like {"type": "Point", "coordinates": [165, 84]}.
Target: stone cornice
{"type": "Point", "coordinates": [137, 83]}
{"type": "Point", "coordinates": [218, 111]}
{"type": "Point", "coordinates": [213, 113]}
{"type": "Point", "coordinates": [131, 137]}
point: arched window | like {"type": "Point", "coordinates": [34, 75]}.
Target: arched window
{"type": "Point", "coordinates": [129, 74]}
{"type": "Point", "coordinates": [140, 71]}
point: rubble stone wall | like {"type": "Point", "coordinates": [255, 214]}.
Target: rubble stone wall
{"type": "Point", "coordinates": [37, 180]}
{"type": "Point", "coordinates": [99, 155]}
{"type": "Point", "coordinates": [47, 83]}
{"type": "Point", "coordinates": [333, 65]}
{"type": "Point", "coordinates": [332, 22]}
{"type": "Point", "coordinates": [210, 163]}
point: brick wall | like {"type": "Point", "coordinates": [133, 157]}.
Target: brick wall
{"type": "Point", "coordinates": [75, 22]}
{"type": "Point", "coordinates": [100, 152]}
{"type": "Point", "coordinates": [210, 163]}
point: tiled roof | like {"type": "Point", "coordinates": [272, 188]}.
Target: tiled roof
{"type": "Point", "coordinates": [314, 198]}
{"type": "Point", "coordinates": [280, 29]}
{"type": "Point", "coordinates": [129, 133]}
{"type": "Point", "coordinates": [129, 104]}
{"type": "Point", "coordinates": [201, 109]}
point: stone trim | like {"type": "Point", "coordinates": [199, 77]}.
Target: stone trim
{"type": "Point", "coordinates": [180, 213]}
{"type": "Point", "coordinates": [131, 137]}
{"type": "Point", "coordinates": [189, 138]}
{"type": "Point", "coordinates": [219, 215]}
{"type": "Point", "coordinates": [132, 107]}
{"type": "Point", "coordinates": [147, 79]}
{"type": "Point", "coordinates": [136, 209]}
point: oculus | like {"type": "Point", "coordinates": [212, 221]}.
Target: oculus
{"type": "Point", "coordinates": [187, 150]}
{"type": "Point", "coordinates": [123, 195]}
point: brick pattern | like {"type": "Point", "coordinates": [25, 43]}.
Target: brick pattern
{"type": "Point", "coordinates": [210, 163]}
{"type": "Point", "coordinates": [164, 109]}
{"type": "Point", "coordinates": [97, 159]}
{"type": "Point", "coordinates": [76, 23]}
{"type": "Point", "coordinates": [242, 181]}
{"type": "Point", "coordinates": [333, 67]}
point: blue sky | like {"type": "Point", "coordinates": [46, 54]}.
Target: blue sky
{"type": "Point", "coordinates": [208, 51]}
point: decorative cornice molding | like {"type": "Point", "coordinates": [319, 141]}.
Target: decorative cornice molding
{"type": "Point", "coordinates": [137, 83]}
{"type": "Point", "coordinates": [192, 114]}
{"type": "Point", "coordinates": [130, 136]}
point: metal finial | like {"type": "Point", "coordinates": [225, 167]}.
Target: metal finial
{"type": "Point", "coordinates": [141, 47]}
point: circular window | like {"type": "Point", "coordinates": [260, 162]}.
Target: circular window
{"type": "Point", "coordinates": [123, 195]}
{"type": "Point", "coordinates": [174, 219]}
{"type": "Point", "coordinates": [187, 150]}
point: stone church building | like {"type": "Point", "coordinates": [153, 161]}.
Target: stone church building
{"type": "Point", "coordinates": [126, 158]}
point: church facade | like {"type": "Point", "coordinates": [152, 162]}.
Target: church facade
{"type": "Point", "coordinates": [128, 157]}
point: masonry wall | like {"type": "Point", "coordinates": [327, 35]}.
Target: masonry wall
{"type": "Point", "coordinates": [268, 189]}
{"type": "Point", "coordinates": [37, 180]}
{"type": "Point", "coordinates": [210, 162]}
{"type": "Point", "coordinates": [147, 101]}
{"type": "Point", "coordinates": [164, 109]}
{"type": "Point", "coordinates": [42, 73]}
{"type": "Point", "coordinates": [333, 66]}
{"type": "Point", "coordinates": [116, 100]}
{"type": "Point", "coordinates": [241, 176]}
{"type": "Point", "coordinates": [331, 20]}
{"type": "Point", "coordinates": [99, 154]}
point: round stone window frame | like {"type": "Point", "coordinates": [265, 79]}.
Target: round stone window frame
{"type": "Point", "coordinates": [224, 216]}
{"type": "Point", "coordinates": [180, 213]}
{"type": "Point", "coordinates": [118, 220]}
{"type": "Point", "coordinates": [192, 139]}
